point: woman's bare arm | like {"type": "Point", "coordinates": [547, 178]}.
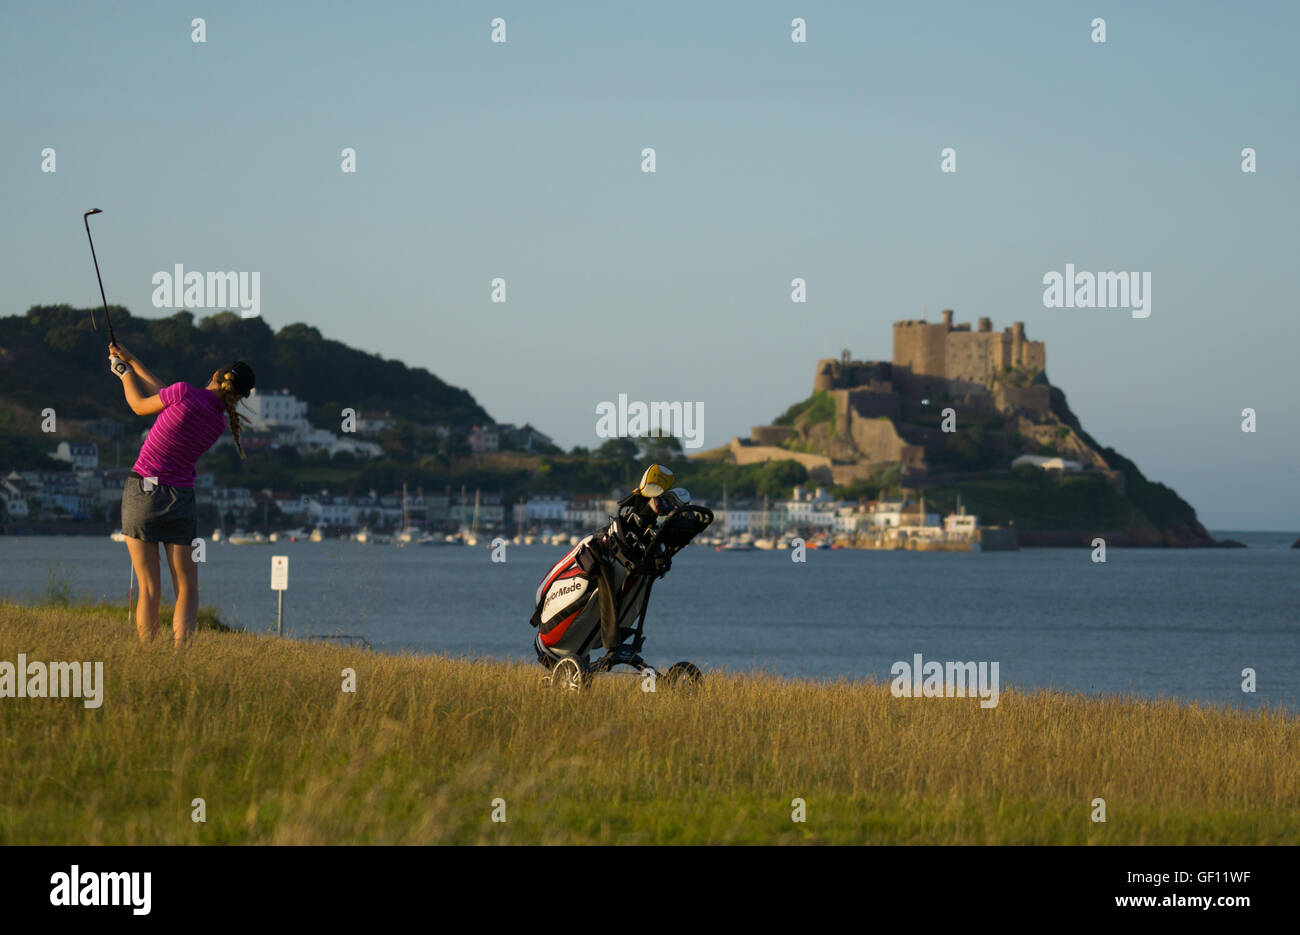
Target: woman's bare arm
{"type": "Point", "coordinates": [140, 403]}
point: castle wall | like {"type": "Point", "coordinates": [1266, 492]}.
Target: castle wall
{"type": "Point", "coordinates": [1034, 355]}
{"type": "Point", "coordinates": [878, 440]}
{"type": "Point", "coordinates": [1036, 399]}
{"type": "Point", "coordinates": [819, 466]}
{"type": "Point", "coordinates": [870, 403]}
{"type": "Point", "coordinates": [770, 434]}
{"type": "Point", "coordinates": [970, 356]}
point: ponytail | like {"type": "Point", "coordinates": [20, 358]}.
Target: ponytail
{"type": "Point", "coordinates": [230, 398]}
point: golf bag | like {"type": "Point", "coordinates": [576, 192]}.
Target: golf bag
{"type": "Point", "coordinates": [601, 588]}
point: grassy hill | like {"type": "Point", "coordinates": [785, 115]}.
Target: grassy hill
{"type": "Point", "coordinates": [261, 730]}
{"type": "Point", "coordinates": [50, 358]}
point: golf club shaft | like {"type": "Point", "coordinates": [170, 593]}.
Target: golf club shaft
{"type": "Point", "coordinates": [86, 218]}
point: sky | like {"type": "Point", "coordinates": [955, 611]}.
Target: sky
{"type": "Point", "coordinates": [774, 160]}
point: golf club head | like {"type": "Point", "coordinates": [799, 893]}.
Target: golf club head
{"type": "Point", "coordinates": [92, 211]}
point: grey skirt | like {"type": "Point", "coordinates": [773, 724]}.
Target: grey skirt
{"type": "Point", "coordinates": [158, 513]}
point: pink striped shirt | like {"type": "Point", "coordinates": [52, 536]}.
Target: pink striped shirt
{"type": "Point", "coordinates": [190, 423]}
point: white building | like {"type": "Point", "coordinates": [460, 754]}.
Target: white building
{"type": "Point", "coordinates": [1048, 464]}
{"type": "Point", "coordinates": [331, 513]}
{"type": "Point", "coordinates": [545, 509]}
{"type": "Point", "coordinates": [14, 494]}
{"type": "Point", "coordinates": [484, 439]}
{"type": "Point", "coordinates": [276, 409]}
{"type": "Point", "coordinates": [590, 512]}
{"type": "Point", "coordinates": [960, 524]}
{"type": "Point", "coordinates": [84, 456]}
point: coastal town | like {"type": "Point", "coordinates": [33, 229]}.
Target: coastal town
{"type": "Point", "coordinates": [87, 497]}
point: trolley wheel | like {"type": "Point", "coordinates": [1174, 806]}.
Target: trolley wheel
{"type": "Point", "coordinates": [683, 675]}
{"type": "Point", "coordinates": [569, 675]}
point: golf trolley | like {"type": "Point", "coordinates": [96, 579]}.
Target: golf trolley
{"type": "Point", "coordinates": [601, 588]}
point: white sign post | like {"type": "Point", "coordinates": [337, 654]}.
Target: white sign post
{"type": "Point", "coordinates": [279, 584]}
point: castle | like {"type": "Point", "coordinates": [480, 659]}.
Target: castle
{"type": "Point", "coordinates": [926, 355]}
{"type": "Point", "coordinates": [884, 410]}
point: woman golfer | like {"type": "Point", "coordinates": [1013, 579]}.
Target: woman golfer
{"type": "Point", "coordinates": [158, 502]}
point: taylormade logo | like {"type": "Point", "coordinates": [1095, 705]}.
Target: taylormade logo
{"type": "Point", "coordinates": [658, 420]}
{"type": "Point", "coordinates": [102, 889]}
{"type": "Point", "coordinates": [1100, 290]}
{"type": "Point", "coordinates": [953, 680]}
{"type": "Point", "coordinates": [55, 680]}
{"type": "Point", "coordinates": [179, 289]}
{"type": "Point", "coordinates": [579, 584]}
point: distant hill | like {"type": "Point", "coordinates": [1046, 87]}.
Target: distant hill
{"type": "Point", "coordinates": [51, 358]}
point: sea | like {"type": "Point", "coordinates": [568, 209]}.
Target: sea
{"type": "Point", "coordinates": [1158, 623]}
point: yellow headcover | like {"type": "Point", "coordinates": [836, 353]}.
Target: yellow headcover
{"type": "Point", "coordinates": [655, 481]}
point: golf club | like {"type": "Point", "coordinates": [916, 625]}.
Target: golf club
{"type": "Point", "coordinates": [120, 366]}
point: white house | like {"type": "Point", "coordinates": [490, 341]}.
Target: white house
{"type": "Point", "coordinates": [484, 439]}
{"type": "Point", "coordinates": [960, 524]}
{"type": "Point", "coordinates": [84, 456]}
{"type": "Point", "coordinates": [1048, 464]}
{"type": "Point", "coordinates": [278, 408]}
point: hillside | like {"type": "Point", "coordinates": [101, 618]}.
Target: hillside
{"type": "Point", "coordinates": [50, 358]}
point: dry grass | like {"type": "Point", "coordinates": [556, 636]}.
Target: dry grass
{"type": "Point", "coordinates": [262, 731]}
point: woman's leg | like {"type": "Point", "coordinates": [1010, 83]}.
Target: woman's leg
{"type": "Point", "coordinates": [185, 578]}
{"type": "Point", "coordinates": [144, 558]}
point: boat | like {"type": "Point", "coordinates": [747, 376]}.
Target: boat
{"type": "Point", "coordinates": [217, 535]}
{"type": "Point", "coordinates": [406, 535]}
{"type": "Point", "coordinates": [239, 537]}
{"type": "Point", "coordinates": [470, 536]}
{"type": "Point", "coordinates": [117, 536]}
{"type": "Point", "coordinates": [317, 535]}
{"type": "Point", "coordinates": [765, 542]}
{"type": "Point", "coordinates": [366, 537]}
{"type": "Point", "coordinates": [741, 543]}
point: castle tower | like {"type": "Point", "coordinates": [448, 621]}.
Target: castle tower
{"type": "Point", "coordinates": [920, 351]}
{"type": "Point", "coordinates": [824, 375]}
